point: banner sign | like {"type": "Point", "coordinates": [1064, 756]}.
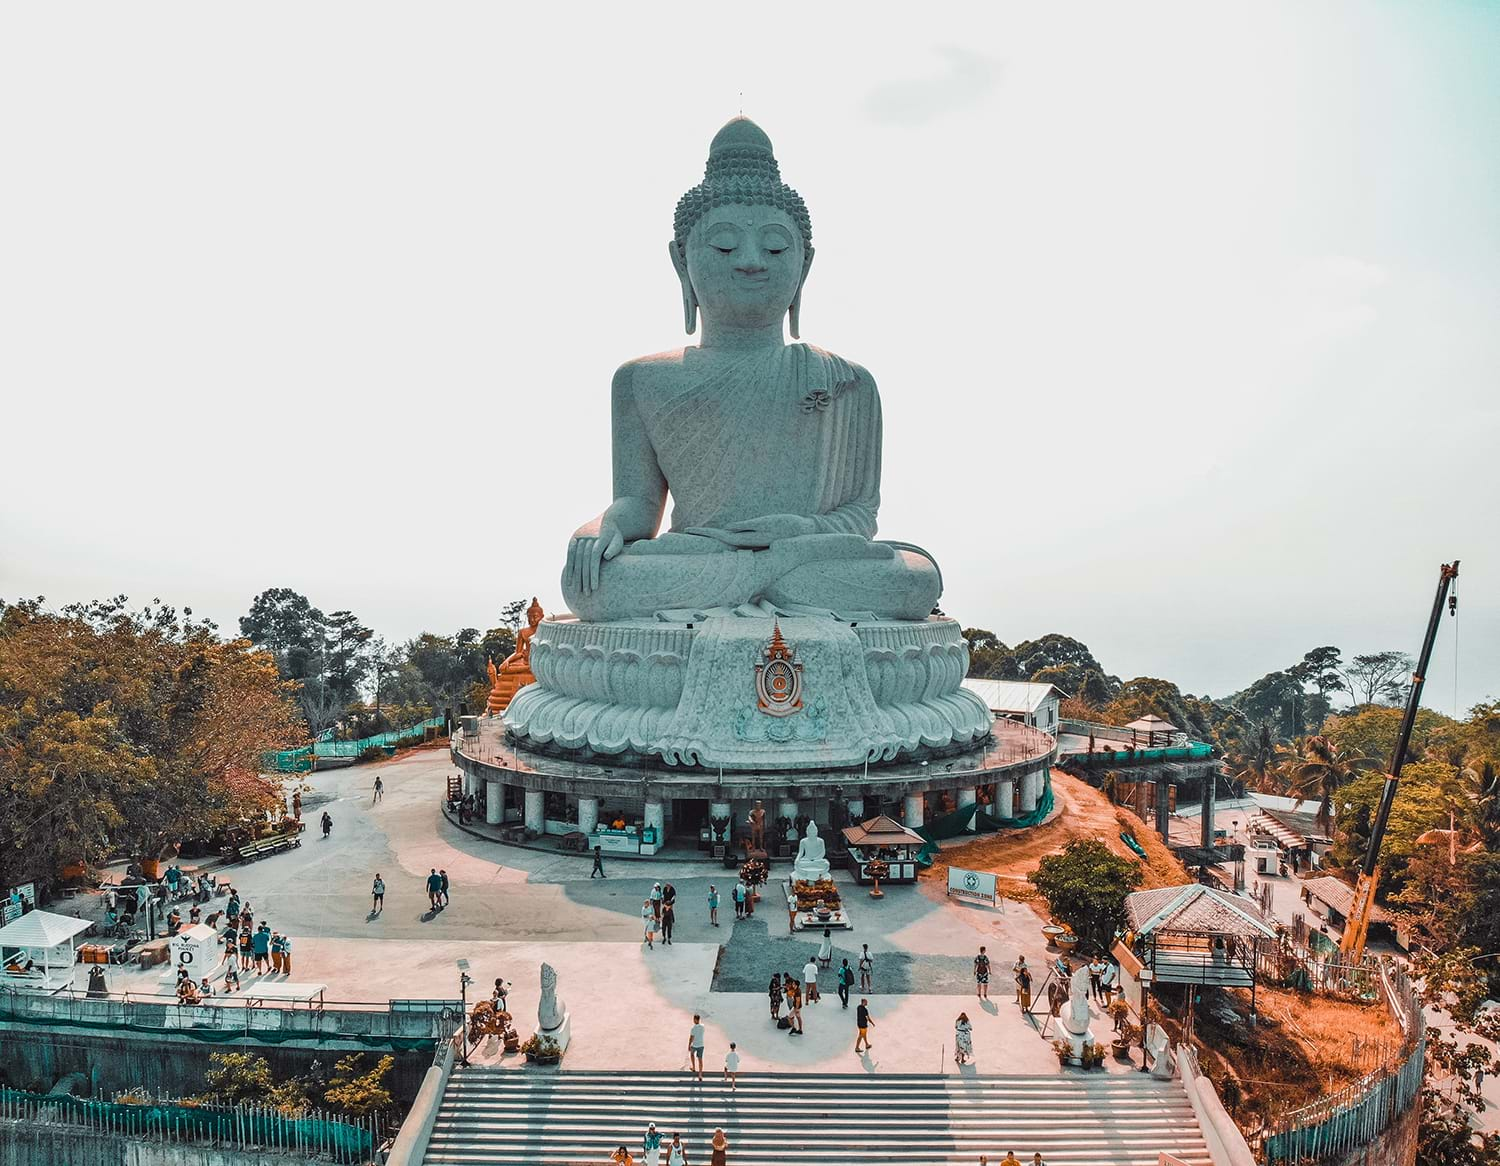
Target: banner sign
{"type": "Point", "coordinates": [971, 884]}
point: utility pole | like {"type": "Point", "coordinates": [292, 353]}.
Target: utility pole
{"type": "Point", "coordinates": [1358, 926]}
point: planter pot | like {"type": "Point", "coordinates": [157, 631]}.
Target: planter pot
{"type": "Point", "coordinates": [1051, 931]}
{"type": "Point", "coordinates": [1066, 941]}
{"type": "Point", "coordinates": [539, 1059]}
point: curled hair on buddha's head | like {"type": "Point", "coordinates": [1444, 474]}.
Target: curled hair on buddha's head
{"type": "Point", "coordinates": [741, 169]}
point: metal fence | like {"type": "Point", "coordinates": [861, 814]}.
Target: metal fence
{"type": "Point", "coordinates": [313, 1134]}
{"type": "Point", "coordinates": [1357, 1114]}
{"type": "Point", "coordinates": [301, 760]}
{"type": "Point", "coordinates": [398, 1024]}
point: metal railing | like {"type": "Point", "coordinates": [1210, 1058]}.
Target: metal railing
{"type": "Point", "coordinates": [1357, 1114]}
{"type": "Point", "coordinates": [241, 1013]}
{"type": "Point", "coordinates": [315, 1133]}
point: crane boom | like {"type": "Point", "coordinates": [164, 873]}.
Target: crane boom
{"type": "Point", "coordinates": [1369, 875]}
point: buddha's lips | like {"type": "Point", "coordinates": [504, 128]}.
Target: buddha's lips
{"type": "Point", "coordinates": [745, 277]}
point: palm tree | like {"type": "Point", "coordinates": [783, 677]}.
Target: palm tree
{"type": "Point", "coordinates": [1257, 765]}
{"type": "Point", "coordinates": [1321, 770]}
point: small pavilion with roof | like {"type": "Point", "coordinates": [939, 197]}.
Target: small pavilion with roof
{"type": "Point", "coordinates": [1151, 732]}
{"type": "Point", "coordinates": [37, 951]}
{"type": "Point", "coordinates": [885, 839]}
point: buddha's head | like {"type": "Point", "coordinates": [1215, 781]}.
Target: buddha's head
{"type": "Point", "coordinates": [742, 241]}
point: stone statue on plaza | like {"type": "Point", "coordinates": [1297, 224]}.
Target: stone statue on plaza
{"type": "Point", "coordinates": [758, 827]}
{"type": "Point", "coordinates": [515, 673]}
{"type": "Point", "coordinates": [771, 451]}
{"type": "Point", "coordinates": [1075, 1021]}
{"type": "Point", "coordinates": [811, 865]}
{"type": "Point", "coordinates": [763, 626]}
{"type": "Point", "coordinates": [553, 1021]}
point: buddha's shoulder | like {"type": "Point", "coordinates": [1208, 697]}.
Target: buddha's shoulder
{"type": "Point", "coordinates": [645, 371]}
{"type": "Point", "coordinates": [843, 370]}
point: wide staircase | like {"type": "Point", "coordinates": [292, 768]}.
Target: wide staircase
{"type": "Point", "coordinates": [500, 1117]}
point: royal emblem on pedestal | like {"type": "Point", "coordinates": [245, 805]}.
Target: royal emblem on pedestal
{"type": "Point", "coordinates": [778, 682]}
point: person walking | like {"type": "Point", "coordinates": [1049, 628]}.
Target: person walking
{"type": "Point", "coordinates": [695, 1047]}
{"type": "Point", "coordinates": [810, 978]}
{"type": "Point", "coordinates": [651, 1146]}
{"type": "Point", "coordinates": [232, 908]}
{"type": "Point", "coordinates": [845, 976]}
{"type": "Point", "coordinates": [648, 922]}
{"type": "Point", "coordinates": [1010, 1159]}
{"type": "Point", "coordinates": [677, 1152]}
{"type": "Point", "coordinates": [500, 993]}
{"type": "Point", "coordinates": [739, 899]}
{"type": "Point", "coordinates": [776, 997]}
{"type": "Point", "coordinates": [377, 895]}
{"type": "Point", "coordinates": [1023, 985]}
{"type": "Point", "coordinates": [434, 887]}
{"type": "Point", "coordinates": [963, 1040]}
{"type": "Point", "coordinates": [668, 920]}
{"type": "Point", "coordinates": [443, 886]}
{"type": "Point", "coordinates": [656, 901]}
{"type": "Point", "coordinates": [1036, 1160]}
{"type": "Point", "coordinates": [1108, 980]}
{"type": "Point", "coordinates": [327, 825]}
{"type": "Point", "coordinates": [982, 974]}
{"type": "Point", "coordinates": [669, 896]}
{"type": "Point", "coordinates": [230, 940]}
{"type": "Point", "coordinates": [598, 869]}
{"type": "Point", "coordinates": [720, 1148]}
{"type": "Point", "coordinates": [286, 955]}
{"type": "Point", "coordinates": [862, 1024]}
{"type": "Point", "coordinates": [713, 905]}
{"type": "Point", "coordinates": [794, 1005]}
{"type": "Point", "coordinates": [732, 1066]}
{"type": "Point", "coordinates": [866, 969]}
{"type": "Point", "coordinates": [379, 788]}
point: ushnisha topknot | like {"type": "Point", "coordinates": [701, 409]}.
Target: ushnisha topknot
{"type": "Point", "coordinates": [741, 169]}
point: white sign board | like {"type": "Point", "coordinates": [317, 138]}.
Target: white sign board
{"type": "Point", "coordinates": [196, 949]}
{"type": "Point", "coordinates": [971, 884]}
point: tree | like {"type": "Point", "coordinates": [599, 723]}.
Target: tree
{"type": "Point", "coordinates": [356, 1090]}
{"type": "Point", "coordinates": [1378, 677]}
{"type": "Point", "coordinates": [1418, 807]}
{"type": "Point", "coordinates": [1258, 766]}
{"type": "Point", "coordinates": [1320, 668]}
{"type": "Point", "coordinates": [347, 659]}
{"type": "Point", "coordinates": [1371, 731]}
{"type": "Point", "coordinates": [1321, 771]}
{"type": "Point", "coordinates": [988, 657]}
{"type": "Point", "coordinates": [1085, 886]}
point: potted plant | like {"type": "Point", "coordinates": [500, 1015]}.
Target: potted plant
{"type": "Point", "coordinates": [1127, 1036]}
{"type": "Point", "coordinates": [1093, 1055]}
{"type": "Point", "coordinates": [542, 1050]}
{"type": "Point", "coordinates": [1051, 931]}
{"type": "Point", "coordinates": [877, 869]}
{"type": "Point", "coordinates": [1063, 1050]}
{"type": "Point", "coordinates": [1067, 941]}
{"type": "Point", "coordinates": [754, 872]}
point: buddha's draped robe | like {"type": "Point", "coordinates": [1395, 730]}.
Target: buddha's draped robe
{"type": "Point", "coordinates": [789, 431]}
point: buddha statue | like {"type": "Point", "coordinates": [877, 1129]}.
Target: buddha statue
{"type": "Point", "coordinates": [770, 451]}
{"type": "Point", "coordinates": [515, 673]}
{"type": "Point", "coordinates": [811, 865]}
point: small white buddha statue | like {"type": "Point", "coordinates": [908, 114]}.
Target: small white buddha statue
{"type": "Point", "coordinates": [811, 865]}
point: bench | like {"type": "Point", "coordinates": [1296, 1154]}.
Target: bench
{"type": "Point", "coordinates": [274, 844]}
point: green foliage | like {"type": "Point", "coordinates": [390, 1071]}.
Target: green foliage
{"type": "Point", "coordinates": [1052, 659]}
{"type": "Point", "coordinates": [1321, 771]}
{"type": "Point", "coordinates": [1371, 731]}
{"type": "Point", "coordinates": [1419, 806]}
{"type": "Point", "coordinates": [1377, 677]}
{"type": "Point", "coordinates": [355, 1090]}
{"type": "Point", "coordinates": [328, 656]}
{"type": "Point", "coordinates": [1085, 887]}
{"type": "Point", "coordinates": [236, 1077]}
{"type": "Point", "coordinates": [120, 729]}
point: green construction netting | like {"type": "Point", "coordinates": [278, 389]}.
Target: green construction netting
{"type": "Point", "coordinates": [346, 1142]}
{"type": "Point", "coordinates": [301, 760]}
{"type": "Point", "coordinates": [957, 823]}
{"type": "Point", "coordinates": [1166, 753]}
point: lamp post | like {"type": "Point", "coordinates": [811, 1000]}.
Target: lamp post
{"type": "Point", "coordinates": [463, 1011]}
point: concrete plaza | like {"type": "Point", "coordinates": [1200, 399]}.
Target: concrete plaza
{"type": "Point", "coordinates": [511, 909]}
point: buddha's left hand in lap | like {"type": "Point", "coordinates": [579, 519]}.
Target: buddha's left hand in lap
{"type": "Point", "coordinates": [758, 533]}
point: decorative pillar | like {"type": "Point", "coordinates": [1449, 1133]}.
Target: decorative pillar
{"type": "Point", "coordinates": [1005, 799]}
{"type": "Point", "coordinates": [787, 808]}
{"type": "Point", "coordinates": [1031, 788]}
{"type": "Point", "coordinates": [536, 816]}
{"type": "Point", "coordinates": [913, 815]}
{"type": "Point", "coordinates": [1209, 803]}
{"type": "Point", "coordinates": [967, 797]}
{"type": "Point", "coordinates": [588, 814]}
{"type": "Point", "coordinates": [655, 818]}
{"type": "Point", "coordinates": [856, 808]}
{"type": "Point", "coordinates": [494, 802]}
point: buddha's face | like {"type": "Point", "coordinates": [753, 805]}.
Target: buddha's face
{"type": "Point", "coordinates": [745, 264]}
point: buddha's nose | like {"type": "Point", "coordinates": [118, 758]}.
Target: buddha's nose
{"type": "Point", "coordinates": [750, 266]}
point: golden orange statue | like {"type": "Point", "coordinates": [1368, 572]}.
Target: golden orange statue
{"type": "Point", "coordinates": [515, 673]}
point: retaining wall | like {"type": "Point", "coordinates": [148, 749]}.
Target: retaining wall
{"type": "Point", "coordinates": [42, 1144]}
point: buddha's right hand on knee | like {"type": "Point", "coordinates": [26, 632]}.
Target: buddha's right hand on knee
{"type": "Point", "coordinates": [592, 544]}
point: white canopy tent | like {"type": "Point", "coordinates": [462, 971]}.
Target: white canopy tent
{"type": "Point", "coordinates": [37, 951]}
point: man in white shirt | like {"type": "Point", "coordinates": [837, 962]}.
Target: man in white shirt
{"type": "Point", "coordinates": [695, 1046]}
{"type": "Point", "coordinates": [732, 1066]}
{"type": "Point", "coordinates": [810, 979]}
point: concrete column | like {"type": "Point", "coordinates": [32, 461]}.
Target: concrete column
{"type": "Point", "coordinates": [1031, 789]}
{"type": "Point", "coordinates": [967, 797]}
{"type": "Point", "coordinates": [1005, 799]}
{"type": "Point", "coordinates": [494, 799]}
{"type": "Point", "coordinates": [913, 814]}
{"type": "Point", "coordinates": [588, 814]}
{"type": "Point", "coordinates": [1209, 802]}
{"type": "Point", "coordinates": [1163, 808]}
{"type": "Point", "coordinates": [536, 817]}
{"type": "Point", "coordinates": [655, 817]}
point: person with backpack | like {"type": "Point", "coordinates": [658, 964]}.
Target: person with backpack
{"type": "Point", "coordinates": [846, 981]}
{"type": "Point", "coordinates": [377, 895]}
{"type": "Point", "coordinates": [327, 824]}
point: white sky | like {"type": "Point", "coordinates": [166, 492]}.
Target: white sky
{"type": "Point", "coordinates": [1184, 315]}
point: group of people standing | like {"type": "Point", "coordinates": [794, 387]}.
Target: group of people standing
{"type": "Point", "coordinates": [659, 912]}
{"type": "Point", "coordinates": [248, 947]}
{"type": "Point", "coordinates": [653, 1147]}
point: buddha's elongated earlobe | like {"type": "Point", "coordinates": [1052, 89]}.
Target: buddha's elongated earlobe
{"type": "Point", "coordinates": [689, 297]}
{"type": "Point", "coordinates": [794, 313]}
